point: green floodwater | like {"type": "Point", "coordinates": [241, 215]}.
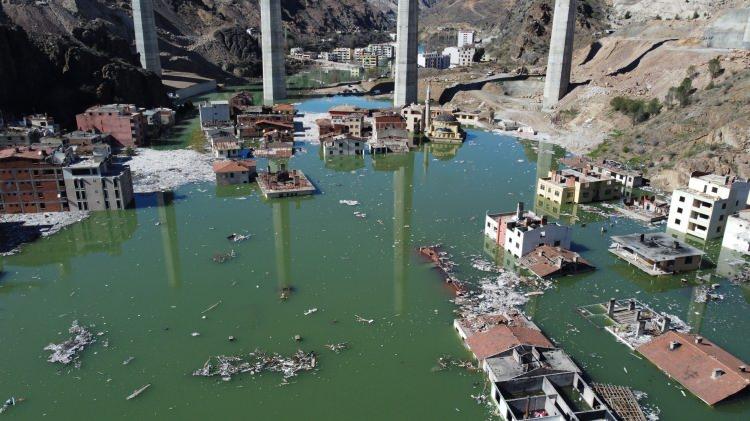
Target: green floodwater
{"type": "Point", "coordinates": [144, 276]}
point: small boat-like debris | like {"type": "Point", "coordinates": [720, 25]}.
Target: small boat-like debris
{"type": "Point", "coordinates": [138, 391]}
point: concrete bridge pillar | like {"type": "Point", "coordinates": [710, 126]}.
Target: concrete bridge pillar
{"type": "Point", "coordinates": [557, 83]}
{"type": "Point", "coordinates": [746, 37]}
{"type": "Point", "coordinates": [146, 41]}
{"type": "Point", "coordinates": [272, 44]}
{"type": "Point", "coordinates": [407, 31]}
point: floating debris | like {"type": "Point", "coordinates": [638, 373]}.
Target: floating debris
{"type": "Point", "coordinates": [349, 202]}
{"type": "Point", "coordinates": [311, 311]}
{"type": "Point", "coordinates": [195, 334]}
{"type": "Point", "coordinates": [338, 347]}
{"type": "Point", "coordinates": [363, 320]}
{"type": "Point", "coordinates": [360, 215]}
{"type": "Point", "coordinates": [128, 360]}
{"type": "Point", "coordinates": [67, 352]}
{"type": "Point", "coordinates": [224, 257]}
{"type": "Point", "coordinates": [237, 238]}
{"type": "Point", "coordinates": [298, 338]}
{"type": "Point", "coordinates": [137, 392]}
{"type": "Point", "coordinates": [211, 307]}
{"type": "Point", "coordinates": [444, 265]}
{"type": "Point", "coordinates": [257, 362]}
{"type": "Point", "coordinates": [12, 401]}
{"type": "Point", "coordinates": [447, 361]}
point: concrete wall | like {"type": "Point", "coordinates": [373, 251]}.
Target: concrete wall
{"type": "Point", "coordinates": [523, 244]}
{"type": "Point", "coordinates": [737, 234]}
{"type": "Point", "coordinates": [146, 41]}
{"type": "Point", "coordinates": [272, 41]}
{"type": "Point", "coordinates": [407, 26]}
{"type": "Point", "coordinates": [98, 193]}
{"type": "Point", "coordinates": [560, 53]}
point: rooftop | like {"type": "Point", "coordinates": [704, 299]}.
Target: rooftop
{"type": "Point", "coordinates": [708, 371]}
{"type": "Point", "coordinates": [547, 261]}
{"type": "Point", "coordinates": [502, 338]}
{"type": "Point", "coordinates": [657, 247]}
{"type": "Point", "coordinates": [234, 166]}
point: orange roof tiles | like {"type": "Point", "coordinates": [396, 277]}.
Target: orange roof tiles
{"type": "Point", "coordinates": [693, 365]}
{"type": "Point", "coordinates": [502, 338]}
{"type": "Point", "coordinates": [234, 166]}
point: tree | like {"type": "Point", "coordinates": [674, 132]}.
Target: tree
{"type": "Point", "coordinates": [680, 94]}
{"type": "Point", "coordinates": [714, 68]}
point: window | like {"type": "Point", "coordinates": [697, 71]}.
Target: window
{"type": "Point", "coordinates": [682, 198]}
{"type": "Point", "coordinates": [689, 260]}
{"type": "Point", "coordinates": [556, 243]}
{"type": "Point", "coordinates": [677, 221]}
{"type": "Point", "coordinates": [714, 189]}
{"type": "Point", "coordinates": [723, 205]}
{"type": "Point", "coordinates": [721, 217]}
{"type": "Point", "coordinates": [718, 229]}
{"type": "Point", "coordinates": [679, 210]}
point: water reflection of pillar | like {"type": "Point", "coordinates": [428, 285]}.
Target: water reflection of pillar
{"type": "Point", "coordinates": [696, 311]}
{"type": "Point", "coordinates": [425, 158]}
{"type": "Point", "coordinates": [403, 187]}
{"type": "Point", "coordinates": [282, 243]}
{"type": "Point", "coordinates": [168, 228]}
{"type": "Point", "coordinates": [544, 159]}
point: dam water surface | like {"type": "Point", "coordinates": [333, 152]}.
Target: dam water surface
{"type": "Point", "coordinates": [145, 278]}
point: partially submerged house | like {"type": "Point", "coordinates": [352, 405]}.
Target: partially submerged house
{"type": "Point", "coordinates": [656, 253]}
{"type": "Point", "coordinates": [530, 377]}
{"type": "Point", "coordinates": [706, 370]}
{"type": "Point", "coordinates": [229, 172]}
{"type": "Point", "coordinates": [573, 186]}
{"type": "Point", "coordinates": [547, 261]}
{"type": "Point", "coordinates": [520, 232]}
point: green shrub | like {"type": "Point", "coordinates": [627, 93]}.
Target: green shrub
{"type": "Point", "coordinates": [637, 109]}
{"type": "Point", "coordinates": [680, 95]}
{"type": "Point", "coordinates": [714, 68]}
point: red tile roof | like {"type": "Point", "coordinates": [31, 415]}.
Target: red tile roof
{"type": "Point", "coordinates": [26, 153]}
{"type": "Point", "coordinates": [693, 364]}
{"type": "Point", "coordinates": [502, 338]}
{"type": "Point", "coordinates": [228, 166]}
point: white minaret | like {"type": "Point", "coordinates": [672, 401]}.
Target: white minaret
{"type": "Point", "coordinates": [427, 115]}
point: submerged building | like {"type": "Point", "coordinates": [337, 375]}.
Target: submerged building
{"type": "Point", "coordinates": [573, 186]}
{"type": "Point", "coordinates": [702, 208]}
{"type": "Point", "coordinates": [657, 253]}
{"type": "Point", "coordinates": [530, 377]}
{"type": "Point", "coordinates": [520, 232]}
{"type": "Point", "coordinates": [737, 232]}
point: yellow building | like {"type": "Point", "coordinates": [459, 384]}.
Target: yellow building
{"type": "Point", "coordinates": [571, 186]}
{"type": "Point", "coordinates": [445, 129]}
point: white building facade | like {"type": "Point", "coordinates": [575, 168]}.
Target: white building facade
{"type": "Point", "coordinates": [737, 232]}
{"type": "Point", "coordinates": [702, 209]}
{"type": "Point", "coordinates": [465, 38]}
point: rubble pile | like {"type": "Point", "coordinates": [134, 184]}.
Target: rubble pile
{"type": "Point", "coordinates": [257, 362]}
{"type": "Point", "coordinates": [494, 295]}
{"type": "Point", "coordinates": [224, 257]}
{"type": "Point", "coordinates": [67, 352]}
{"type": "Point", "coordinates": [23, 228]}
{"type": "Point", "coordinates": [156, 170]}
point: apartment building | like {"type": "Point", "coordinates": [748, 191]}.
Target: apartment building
{"type": "Point", "coordinates": [343, 145]}
{"type": "Point", "coordinates": [573, 186]}
{"type": "Point", "coordinates": [98, 183]}
{"type": "Point", "coordinates": [737, 232]}
{"type": "Point", "coordinates": [702, 208]}
{"type": "Point", "coordinates": [520, 232]}
{"type": "Point", "coordinates": [124, 122]}
{"type": "Point", "coordinates": [31, 179]}
{"type": "Point", "coordinates": [465, 38]}
{"type": "Point", "coordinates": [214, 113]}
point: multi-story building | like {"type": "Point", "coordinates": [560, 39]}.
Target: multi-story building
{"type": "Point", "coordinates": [31, 179]}
{"type": "Point", "coordinates": [44, 123]}
{"type": "Point", "coordinates": [343, 145]}
{"type": "Point", "coordinates": [434, 60]}
{"type": "Point", "coordinates": [369, 61]}
{"type": "Point", "coordinates": [124, 122]}
{"type": "Point", "coordinates": [619, 173]}
{"type": "Point", "coordinates": [214, 113]}
{"type": "Point", "coordinates": [359, 53]}
{"type": "Point", "coordinates": [98, 183]}
{"type": "Point", "coordinates": [18, 136]}
{"type": "Point", "coordinates": [519, 232]}
{"type": "Point", "coordinates": [702, 209]}
{"type": "Point", "coordinates": [737, 232]}
{"type": "Point", "coordinates": [466, 56]}
{"type": "Point", "coordinates": [343, 54]}
{"type": "Point", "coordinates": [414, 116]}
{"type": "Point", "coordinates": [465, 38]}
{"type": "Point", "coordinates": [572, 186]}
{"type": "Point", "coordinates": [351, 124]}
{"type": "Point", "coordinates": [382, 50]}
